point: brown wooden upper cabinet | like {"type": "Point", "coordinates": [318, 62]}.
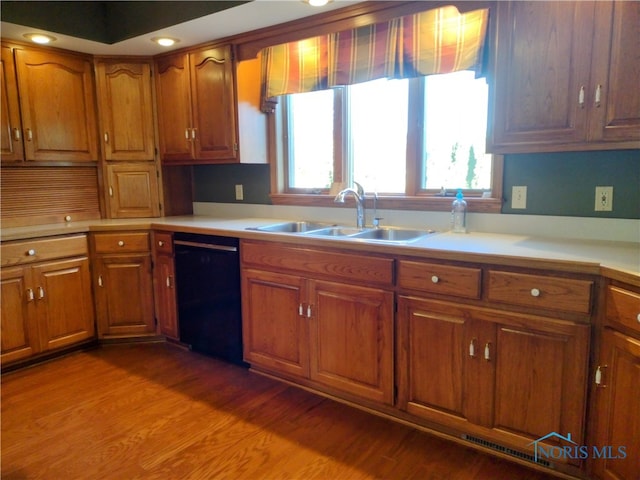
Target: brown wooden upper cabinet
{"type": "Point", "coordinates": [11, 147]}
{"type": "Point", "coordinates": [57, 107]}
{"type": "Point", "coordinates": [565, 77]}
{"type": "Point", "coordinates": [197, 121]}
{"type": "Point", "coordinates": [126, 111]}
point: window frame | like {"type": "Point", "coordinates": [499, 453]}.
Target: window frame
{"type": "Point", "coordinates": [414, 198]}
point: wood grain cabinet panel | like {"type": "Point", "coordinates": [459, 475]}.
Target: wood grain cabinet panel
{"type": "Point", "coordinates": [47, 302]}
{"type": "Point", "coordinates": [563, 76]}
{"type": "Point", "coordinates": [133, 190]}
{"type": "Point", "coordinates": [57, 103]}
{"type": "Point", "coordinates": [11, 148]}
{"type": "Point", "coordinates": [123, 284]}
{"type": "Point", "coordinates": [126, 110]}
{"type": "Point", "coordinates": [197, 116]}
{"type": "Point", "coordinates": [440, 279]}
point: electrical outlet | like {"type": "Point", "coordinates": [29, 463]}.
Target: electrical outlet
{"type": "Point", "coordinates": [604, 199]}
{"type": "Point", "coordinates": [519, 197]}
{"type": "Point", "coordinates": [239, 192]}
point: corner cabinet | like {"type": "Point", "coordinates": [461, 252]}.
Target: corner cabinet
{"type": "Point", "coordinates": [615, 381]}
{"type": "Point", "coordinates": [308, 316]}
{"type": "Point", "coordinates": [60, 127]}
{"type": "Point", "coordinates": [564, 77]}
{"type": "Point", "coordinates": [46, 296]}
{"type": "Point", "coordinates": [197, 117]}
{"type": "Point", "coordinates": [123, 284]}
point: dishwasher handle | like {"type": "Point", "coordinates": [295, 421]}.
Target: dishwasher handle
{"type": "Point", "coordinates": [208, 246]}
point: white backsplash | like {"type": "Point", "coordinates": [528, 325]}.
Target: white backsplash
{"type": "Point", "coordinates": [612, 229]}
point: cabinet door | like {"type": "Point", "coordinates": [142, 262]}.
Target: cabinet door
{"type": "Point", "coordinates": [615, 72]}
{"type": "Point", "coordinates": [540, 370]}
{"type": "Point", "coordinates": [542, 65]}
{"type": "Point", "coordinates": [11, 149]}
{"type": "Point", "coordinates": [213, 101]}
{"type": "Point", "coordinates": [173, 98]}
{"type": "Point", "coordinates": [133, 190]}
{"type": "Point", "coordinates": [351, 339]}
{"type": "Point", "coordinates": [64, 303]}
{"type": "Point", "coordinates": [618, 407]}
{"type": "Point", "coordinates": [57, 105]}
{"type": "Point", "coordinates": [19, 334]}
{"type": "Point", "coordinates": [274, 329]}
{"type": "Point", "coordinates": [165, 295]}
{"type": "Point", "coordinates": [126, 112]}
{"type": "Point", "coordinates": [124, 295]}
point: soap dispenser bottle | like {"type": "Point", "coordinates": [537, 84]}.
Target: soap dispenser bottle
{"type": "Point", "coordinates": [459, 214]}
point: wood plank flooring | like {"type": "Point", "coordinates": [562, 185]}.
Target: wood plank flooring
{"type": "Point", "coordinates": [155, 411]}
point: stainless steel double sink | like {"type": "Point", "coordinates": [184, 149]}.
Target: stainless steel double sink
{"type": "Point", "coordinates": [382, 234]}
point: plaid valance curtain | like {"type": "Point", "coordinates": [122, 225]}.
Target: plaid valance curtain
{"type": "Point", "coordinates": [436, 41]}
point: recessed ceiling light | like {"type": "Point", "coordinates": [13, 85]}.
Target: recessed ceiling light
{"type": "Point", "coordinates": [318, 3]}
{"type": "Point", "coordinates": [165, 41]}
{"type": "Point", "coordinates": [40, 38]}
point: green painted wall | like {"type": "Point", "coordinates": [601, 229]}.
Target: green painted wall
{"type": "Point", "coordinates": [557, 183]}
{"type": "Point", "coordinates": [564, 183]}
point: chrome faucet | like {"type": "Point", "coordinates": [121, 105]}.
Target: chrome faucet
{"type": "Point", "coordinates": [358, 194]}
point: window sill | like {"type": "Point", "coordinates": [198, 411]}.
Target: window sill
{"type": "Point", "coordinates": [435, 204]}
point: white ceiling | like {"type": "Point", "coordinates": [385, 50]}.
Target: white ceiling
{"type": "Point", "coordinates": [244, 18]}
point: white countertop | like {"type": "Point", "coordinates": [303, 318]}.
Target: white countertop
{"type": "Point", "coordinates": [613, 259]}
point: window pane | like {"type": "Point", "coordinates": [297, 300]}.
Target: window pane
{"type": "Point", "coordinates": [455, 130]}
{"type": "Point", "coordinates": [378, 132]}
{"type": "Point", "coordinates": [311, 139]}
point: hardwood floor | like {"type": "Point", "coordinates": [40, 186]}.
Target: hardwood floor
{"type": "Point", "coordinates": [154, 411]}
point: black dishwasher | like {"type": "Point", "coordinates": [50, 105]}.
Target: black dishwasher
{"type": "Point", "coordinates": [208, 294]}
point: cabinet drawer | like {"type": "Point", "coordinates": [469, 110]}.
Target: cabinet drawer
{"type": "Point", "coordinates": [444, 279]}
{"type": "Point", "coordinates": [163, 243]}
{"type": "Point", "coordinates": [121, 242]}
{"type": "Point", "coordinates": [345, 266]}
{"type": "Point", "coordinates": [540, 291]}
{"type": "Point", "coordinates": [623, 306]}
{"type": "Point", "coordinates": [29, 251]}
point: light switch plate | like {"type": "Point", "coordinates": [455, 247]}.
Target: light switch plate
{"type": "Point", "coordinates": [604, 199]}
{"type": "Point", "coordinates": [239, 192]}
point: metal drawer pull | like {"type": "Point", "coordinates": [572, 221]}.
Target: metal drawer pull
{"type": "Point", "coordinates": [597, 97]}
{"type": "Point", "coordinates": [30, 296]}
{"type": "Point", "coordinates": [100, 281]}
{"type": "Point", "coordinates": [16, 134]}
{"type": "Point", "coordinates": [120, 243]}
{"type": "Point", "coordinates": [31, 252]}
{"type": "Point", "coordinates": [29, 135]}
{"type": "Point", "coordinates": [472, 348]}
{"type": "Point", "coordinates": [581, 97]}
{"type": "Point", "coordinates": [487, 351]}
{"type": "Point", "coordinates": [169, 281]}
{"type": "Point", "coordinates": [300, 310]}
{"type": "Point", "coordinates": [598, 376]}
{"type": "Point", "coordinates": [435, 279]}
{"type": "Point", "coordinates": [40, 293]}
{"type": "Point", "coordinates": [535, 292]}
{"type": "Point", "coordinates": [106, 137]}
{"type": "Point", "coordinates": [160, 243]}
{"type": "Point", "coordinates": [308, 311]}
{"type": "Point", "coordinates": [186, 133]}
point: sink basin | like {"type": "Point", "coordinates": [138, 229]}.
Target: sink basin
{"type": "Point", "coordinates": [392, 234]}
{"type": "Point", "coordinates": [336, 231]}
{"type": "Point", "coordinates": [292, 227]}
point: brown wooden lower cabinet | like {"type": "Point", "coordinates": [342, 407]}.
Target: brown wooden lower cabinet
{"type": "Point", "coordinates": [123, 284]}
{"type": "Point", "coordinates": [335, 334]}
{"type": "Point", "coordinates": [46, 305]}
{"type": "Point", "coordinates": [164, 284]}
{"type": "Point", "coordinates": [507, 378]}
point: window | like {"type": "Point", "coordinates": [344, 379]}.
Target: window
{"type": "Point", "coordinates": [429, 130]}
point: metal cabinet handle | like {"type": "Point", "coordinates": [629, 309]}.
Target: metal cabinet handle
{"type": "Point", "coordinates": [29, 135]}
{"type": "Point", "coordinates": [160, 243]}
{"type": "Point", "coordinates": [581, 96]}
{"type": "Point", "coordinates": [472, 348]}
{"type": "Point", "coordinates": [30, 296]}
{"type": "Point", "coordinates": [638, 318]}
{"type": "Point", "coordinates": [598, 376]}
{"type": "Point", "coordinates": [169, 281]}
{"type": "Point", "coordinates": [106, 137]}
{"type": "Point", "coordinates": [100, 283]}
{"type": "Point", "coordinates": [487, 351]}
{"type": "Point", "coordinates": [597, 96]}
{"type": "Point", "coordinates": [186, 133]}
{"type": "Point", "coordinates": [16, 134]}
{"type": "Point", "coordinates": [300, 310]}
{"type": "Point", "coordinates": [111, 191]}
{"type": "Point", "coordinates": [193, 133]}
{"type": "Point", "coordinates": [40, 293]}
{"type": "Point", "coordinates": [308, 311]}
